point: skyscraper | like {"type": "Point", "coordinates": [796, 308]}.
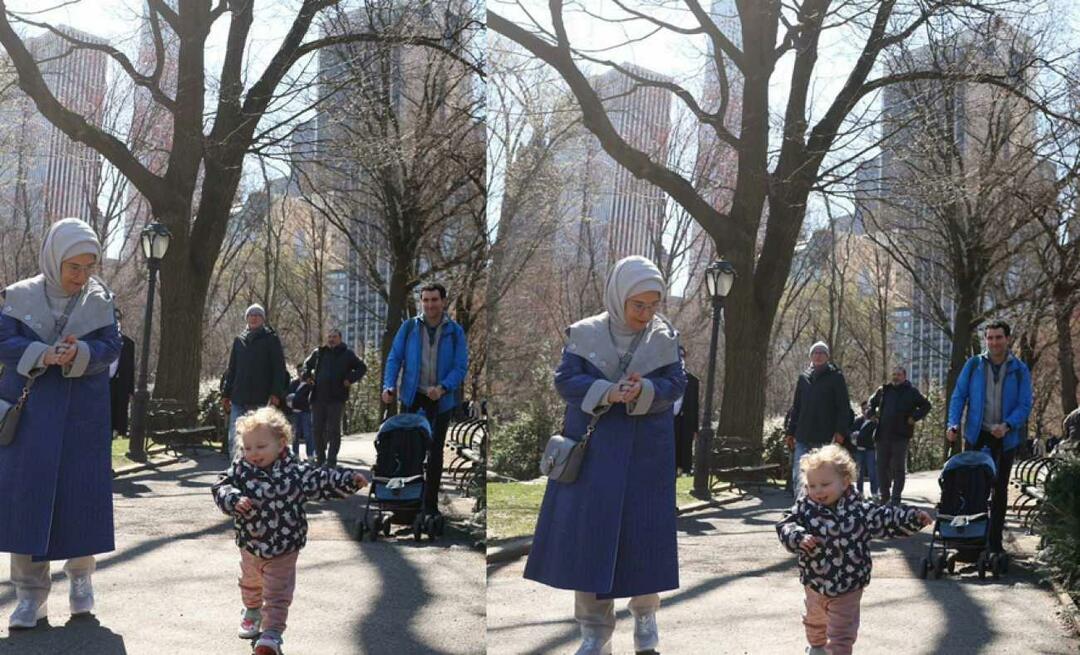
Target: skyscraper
{"type": "Point", "coordinates": [49, 176]}
{"type": "Point", "coordinates": [610, 213]}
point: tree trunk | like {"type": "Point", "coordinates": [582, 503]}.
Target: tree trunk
{"type": "Point", "coordinates": [959, 351]}
{"type": "Point", "coordinates": [1063, 321]}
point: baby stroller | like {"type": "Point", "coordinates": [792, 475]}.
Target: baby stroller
{"type": "Point", "coordinates": [963, 517]}
{"type": "Point", "coordinates": [396, 494]}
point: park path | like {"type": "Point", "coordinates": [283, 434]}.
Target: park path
{"type": "Point", "coordinates": [170, 585]}
{"type": "Point", "coordinates": [740, 594]}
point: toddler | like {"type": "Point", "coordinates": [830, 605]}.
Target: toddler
{"type": "Point", "coordinates": [264, 490]}
{"type": "Point", "coordinates": [830, 528]}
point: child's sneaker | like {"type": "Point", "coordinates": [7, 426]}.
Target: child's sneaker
{"type": "Point", "coordinates": [268, 644]}
{"type": "Point", "coordinates": [249, 624]}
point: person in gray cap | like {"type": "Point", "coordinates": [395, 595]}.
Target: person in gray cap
{"type": "Point", "coordinates": [256, 375]}
{"type": "Point", "coordinates": [821, 412]}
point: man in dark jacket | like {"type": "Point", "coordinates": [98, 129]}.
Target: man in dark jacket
{"type": "Point", "coordinates": [897, 406]}
{"type": "Point", "coordinates": [334, 368]}
{"type": "Point", "coordinates": [687, 422]}
{"type": "Point", "coordinates": [256, 375]}
{"type": "Point", "coordinates": [821, 411]}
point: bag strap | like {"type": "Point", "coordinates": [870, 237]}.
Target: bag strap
{"type": "Point", "coordinates": [61, 323]}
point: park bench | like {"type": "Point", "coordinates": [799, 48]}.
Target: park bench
{"type": "Point", "coordinates": [1030, 477]}
{"type": "Point", "coordinates": [467, 439]}
{"type": "Point", "coordinates": [737, 464]}
{"type": "Point", "coordinates": [174, 425]}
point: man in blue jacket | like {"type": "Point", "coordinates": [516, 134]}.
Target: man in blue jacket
{"type": "Point", "coordinates": [996, 388]}
{"type": "Point", "coordinates": [431, 354]}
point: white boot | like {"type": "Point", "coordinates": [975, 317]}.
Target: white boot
{"type": "Point", "coordinates": [646, 633]}
{"type": "Point", "coordinates": [594, 646]}
{"type": "Point", "coordinates": [81, 595]}
{"type": "Point", "coordinates": [27, 614]}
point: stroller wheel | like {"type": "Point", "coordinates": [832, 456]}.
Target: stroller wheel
{"type": "Point", "coordinates": [950, 564]}
{"type": "Point", "coordinates": [418, 527]}
{"type": "Point", "coordinates": [360, 530]}
{"type": "Point", "coordinates": [924, 569]}
{"type": "Point", "coordinates": [440, 525]}
{"type": "Point", "coordinates": [939, 566]}
{"type": "Point", "coordinates": [386, 527]}
{"type": "Point", "coordinates": [980, 565]}
{"type": "Point", "coordinates": [374, 525]}
{"type": "Point", "coordinates": [1003, 563]}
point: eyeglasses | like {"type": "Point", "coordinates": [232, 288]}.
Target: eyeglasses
{"type": "Point", "coordinates": [639, 306]}
{"type": "Point", "coordinates": [79, 269]}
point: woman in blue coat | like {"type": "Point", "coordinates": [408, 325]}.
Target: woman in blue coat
{"type": "Point", "coordinates": [611, 533]}
{"type": "Point", "coordinates": [59, 330]}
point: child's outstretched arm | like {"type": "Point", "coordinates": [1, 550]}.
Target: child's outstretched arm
{"type": "Point", "coordinates": [896, 520]}
{"type": "Point", "coordinates": [793, 535]}
{"type": "Point", "coordinates": [319, 482]}
{"type": "Point", "coordinates": [225, 492]}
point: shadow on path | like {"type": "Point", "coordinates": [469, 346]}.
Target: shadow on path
{"type": "Point", "coordinates": [80, 635]}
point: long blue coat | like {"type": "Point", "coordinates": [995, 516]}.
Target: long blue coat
{"type": "Point", "coordinates": [612, 531]}
{"type": "Point", "coordinates": [56, 476]}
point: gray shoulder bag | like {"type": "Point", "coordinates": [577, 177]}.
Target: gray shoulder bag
{"type": "Point", "coordinates": [10, 412]}
{"type": "Point", "coordinates": [563, 456]}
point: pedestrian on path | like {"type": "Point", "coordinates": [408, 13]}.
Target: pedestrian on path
{"type": "Point", "coordinates": [897, 406]}
{"type": "Point", "coordinates": [863, 436]}
{"type": "Point", "coordinates": [611, 533]}
{"type": "Point", "coordinates": [298, 400]}
{"type": "Point", "coordinates": [256, 374]}
{"type": "Point", "coordinates": [687, 422]}
{"type": "Point", "coordinates": [830, 528]}
{"type": "Point", "coordinates": [58, 336]}
{"type": "Point", "coordinates": [996, 389]}
{"type": "Point", "coordinates": [121, 381]}
{"type": "Point", "coordinates": [820, 413]}
{"type": "Point", "coordinates": [431, 355]}
{"type": "Point", "coordinates": [334, 368]}
{"type": "Point", "coordinates": [264, 490]}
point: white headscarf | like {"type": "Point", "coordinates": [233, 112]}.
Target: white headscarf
{"type": "Point", "coordinates": [602, 339]}
{"type": "Point", "coordinates": [67, 238]}
{"type": "Point", "coordinates": [629, 277]}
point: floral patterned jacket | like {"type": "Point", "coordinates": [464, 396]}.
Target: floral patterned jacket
{"type": "Point", "coordinates": [278, 524]}
{"type": "Point", "coordinates": [841, 561]}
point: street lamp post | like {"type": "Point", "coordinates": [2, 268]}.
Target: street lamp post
{"type": "Point", "coordinates": [719, 277]}
{"type": "Point", "coordinates": [155, 242]}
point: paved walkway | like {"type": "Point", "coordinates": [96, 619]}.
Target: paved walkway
{"type": "Point", "coordinates": [170, 585]}
{"type": "Point", "coordinates": [740, 594]}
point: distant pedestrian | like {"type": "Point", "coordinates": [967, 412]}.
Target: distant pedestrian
{"type": "Point", "coordinates": [897, 406]}
{"type": "Point", "coordinates": [431, 355]}
{"type": "Point", "coordinates": [1070, 427]}
{"type": "Point", "coordinates": [830, 528]}
{"type": "Point", "coordinates": [995, 387]}
{"type": "Point", "coordinates": [863, 434]}
{"type": "Point", "coordinates": [256, 374]}
{"type": "Point", "coordinates": [264, 490]}
{"type": "Point", "coordinates": [687, 422]}
{"type": "Point", "coordinates": [121, 382]}
{"type": "Point", "coordinates": [334, 368]}
{"type": "Point", "coordinates": [820, 413]}
{"type": "Point", "coordinates": [298, 401]}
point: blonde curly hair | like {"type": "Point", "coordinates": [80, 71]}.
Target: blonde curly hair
{"type": "Point", "coordinates": [264, 417]}
{"type": "Point", "coordinates": [831, 455]}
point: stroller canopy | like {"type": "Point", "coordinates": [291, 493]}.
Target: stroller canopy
{"type": "Point", "coordinates": [406, 422]}
{"type": "Point", "coordinates": [970, 458]}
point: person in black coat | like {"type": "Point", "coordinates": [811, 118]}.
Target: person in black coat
{"type": "Point", "coordinates": [687, 422]}
{"type": "Point", "coordinates": [122, 383]}
{"type": "Point", "coordinates": [334, 368]}
{"type": "Point", "coordinates": [256, 375]}
{"type": "Point", "coordinates": [821, 411]}
{"type": "Point", "coordinates": [863, 434]}
{"type": "Point", "coordinates": [298, 400]}
{"type": "Point", "coordinates": [897, 406]}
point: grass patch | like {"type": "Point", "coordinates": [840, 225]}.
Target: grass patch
{"type": "Point", "coordinates": [513, 506]}
{"type": "Point", "coordinates": [155, 453]}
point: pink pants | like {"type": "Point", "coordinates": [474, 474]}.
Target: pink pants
{"type": "Point", "coordinates": [832, 622]}
{"type": "Point", "coordinates": [268, 585]}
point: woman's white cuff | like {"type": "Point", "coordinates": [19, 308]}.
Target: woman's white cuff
{"type": "Point", "coordinates": [32, 363]}
{"type": "Point", "coordinates": [644, 400]}
{"type": "Point", "coordinates": [77, 367]}
{"type": "Point", "coordinates": [595, 401]}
